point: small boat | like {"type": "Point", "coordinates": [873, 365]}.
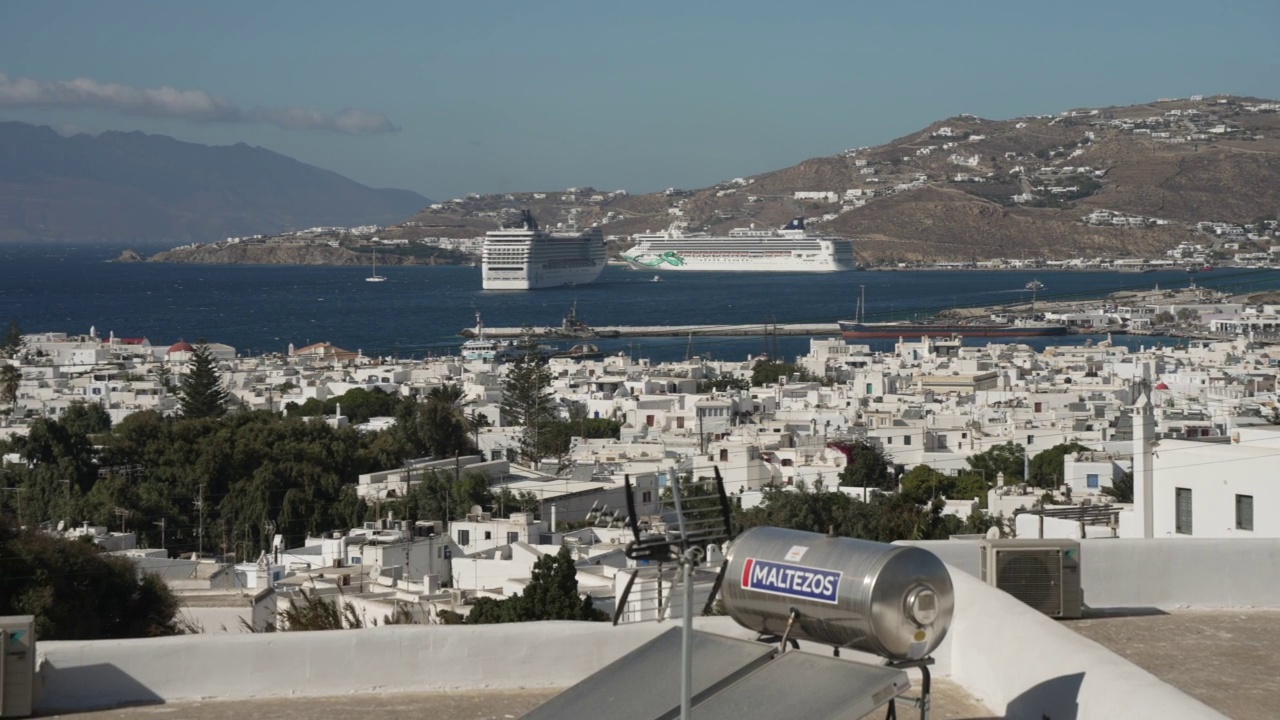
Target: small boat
{"type": "Point", "coordinates": [1035, 286]}
{"type": "Point", "coordinates": [1191, 269]}
{"type": "Point", "coordinates": [375, 277]}
{"type": "Point", "coordinates": [656, 278]}
{"type": "Point", "coordinates": [573, 326]}
{"type": "Point", "coordinates": [486, 349]}
{"type": "Point", "coordinates": [583, 351]}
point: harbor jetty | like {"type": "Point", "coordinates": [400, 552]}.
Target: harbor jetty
{"type": "Point", "coordinates": [616, 331]}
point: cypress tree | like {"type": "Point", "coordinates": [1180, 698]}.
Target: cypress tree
{"type": "Point", "coordinates": [200, 394]}
{"type": "Point", "coordinates": [526, 401]}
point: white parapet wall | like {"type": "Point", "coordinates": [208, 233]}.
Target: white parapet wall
{"type": "Point", "coordinates": [1015, 660]}
{"type": "Point", "coordinates": [84, 675]}
{"type": "Point", "coordinates": [1022, 664]}
{"type": "Point", "coordinates": [1160, 572]}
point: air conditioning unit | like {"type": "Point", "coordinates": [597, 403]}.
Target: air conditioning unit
{"type": "Point", "coordinates": [1044, 574]}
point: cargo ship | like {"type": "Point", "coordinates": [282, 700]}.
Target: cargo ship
{"type": "Point", "coordinates": [855, 330]}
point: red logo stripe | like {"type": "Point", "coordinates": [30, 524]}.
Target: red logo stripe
{"type": "Point", "coordinates": [746, 572]}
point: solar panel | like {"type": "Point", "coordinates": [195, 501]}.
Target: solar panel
{"type": "Point", "coordinates": [645, 683]}
{"type": "Point", "coordinates": [732, 679]}
{"type": "Point", "coordinates": [801, 685]}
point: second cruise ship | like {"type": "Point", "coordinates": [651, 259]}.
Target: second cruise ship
{"type": "Point", "coordinates": [522, 256]}
{"type": "Point", "coordinates": [788, 249]}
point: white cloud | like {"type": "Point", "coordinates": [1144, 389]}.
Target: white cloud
{"type": "Point", "coordinates": [167, 102]}
{"type": "Point", "coordinates": [351, 120]}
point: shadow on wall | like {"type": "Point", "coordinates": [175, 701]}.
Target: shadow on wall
{"type": "Point", "coordinates": [1056, 699]}
{"type": "Point", "coordinates": [77, 688]}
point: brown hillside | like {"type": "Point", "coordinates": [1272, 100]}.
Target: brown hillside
{"type": "Point", "coordinates": [968, 187]}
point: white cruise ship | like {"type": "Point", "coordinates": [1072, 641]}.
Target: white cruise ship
{"type": "Point", "coordinates": [789, 249]}
{"type": "Point", "coordinates": [524, 257]}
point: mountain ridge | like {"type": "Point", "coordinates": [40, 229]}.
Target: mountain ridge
{"type": "Point", "coordinates": [967, 187]}
{"type": "Point", "coordinates": [135, 186]}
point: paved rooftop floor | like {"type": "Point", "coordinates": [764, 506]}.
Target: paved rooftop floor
{"type": "Point", "coordinates": [1227, 659]}
{"type": "Point", "coordinates": [950, 702]}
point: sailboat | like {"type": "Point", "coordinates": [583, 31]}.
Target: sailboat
{"type": "Point", "coordinates": [375, 277]}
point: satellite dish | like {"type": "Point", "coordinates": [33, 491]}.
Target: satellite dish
{"type": "Point", "coordinates": [62, 525]}
{"type": "Point", "coordinates": [476, 510]}
{"type": "Point", "coordinates": [993, 533]}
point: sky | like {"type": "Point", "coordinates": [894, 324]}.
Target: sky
{"type": "Point", "coordinates": [447, 98]}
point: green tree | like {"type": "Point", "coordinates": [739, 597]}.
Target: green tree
{"type": "Point", "coordinates": [723, 384]}
{"type": "Point", "coordinates": [78, 593]}
{"type": "Point", "coordinates": [868, 466]}
{"type": "Point", "coordinates": [526, 402]}
{"type": "Point", "coordinates": [884, 518]}
{"type": "Point", "coordinates": [319, 613]}
{"type": "Point", "coordinates": [923, 485]}
{"type": "Point", "coordinates": [86, 419]}
{"type": "Point", "coordinates": [1046, 467]}
{"type": "Point", "coordinates": [767, 372]}
{"type": "Point", "coordinates": [358, 405]}
{"type": "Point", "coordinates": [1007, 458]}
{"type": "Point", "coordinates": [552, 594]}
{"type": "Point", "coordinates": [201, 394]}
{"type": "Point", "coordinates": [441, 496]}
{"type": "Point", "coordinates": [10, 379]}
{"type": "Point", "coordinates": [14, 344]}
{"type": "Point", "coordinates": [1121, 488]}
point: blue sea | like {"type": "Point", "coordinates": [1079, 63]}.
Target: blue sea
{"type": "Point", "coordinates": [420, 310]}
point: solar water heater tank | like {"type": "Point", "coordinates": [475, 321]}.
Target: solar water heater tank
{"type": "Point", "coordinates": [891, 600]}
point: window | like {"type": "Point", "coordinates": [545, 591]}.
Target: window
{"type": "Point", "coordinates": [906, 439]}
{"type": "Point", "coordinates": [464, 537]}
{"type": "Point", "coordinates": [1031, 439]}
{"type": "Point", "coordinates": [513, 538]}
{"type": "Point", "coordinates": [1182, 511]}
{"type": "Point", "coordinates": [679, 421]}
{"type": "Point", "coordinates": [648, 420]}
{"type": "Point", "coordinates": [1244, 512]}
{"type": "Point", "coordinates": [869, 390]}
{"type": "Point", "coordinates": [1038, 407]}
{"type": "Point", "coordinates": [724, 455]}
{"type": "Point", "coordinates": [646, 496]}
{"type": "Point", "coordinates": [488, 535]}
{"type": "Point", "coordinates": [1091, 480]}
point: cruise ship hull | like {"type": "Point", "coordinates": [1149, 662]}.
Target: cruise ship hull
{"type": "Point", "coordinates": [729, 255]}
{"type": "Point", "coordinates": [524, 257]}
{"type": "Point", "coordinates": [533, 277]}
{"type": "Point", "coordinates": [870, 331]}
{"type": "Point", "coordinates": [644, 261]}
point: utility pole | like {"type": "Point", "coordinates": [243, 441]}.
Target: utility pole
{"type": "Point", "coordinates": [162, 527]}
{"type": "Point", "coordinates": [200, 528]}
{"type": "Point", "coordinates": [408, 486]}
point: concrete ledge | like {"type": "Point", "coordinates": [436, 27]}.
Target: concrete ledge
{"type": "Point", "coordinates": [1160, 572]}
{"type": "Point", "coordinates": [1013, 658]}
{"type": "Point", "coordinates": [85, 675]}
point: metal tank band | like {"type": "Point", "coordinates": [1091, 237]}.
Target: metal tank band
{"type": "Point", "coordinates": [890, 600]}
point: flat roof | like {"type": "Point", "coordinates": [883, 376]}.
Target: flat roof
{"type": "Point", "coordinates": [1224, 658]}
{"type": "Point", "coordinates": [950, 701]}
